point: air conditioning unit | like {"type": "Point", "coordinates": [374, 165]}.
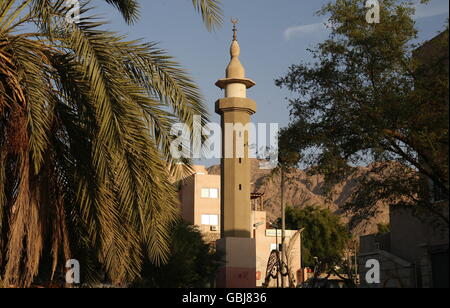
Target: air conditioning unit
{"type": "Point", "coordinates": [214, 228]}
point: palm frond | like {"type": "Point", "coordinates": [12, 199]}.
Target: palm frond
{"type": "Point", "coordinates": [85, 159]}
{"type": "Point", "coordinates": [211, 11]}
{"type": "Point", "coordinates": [128, 8]}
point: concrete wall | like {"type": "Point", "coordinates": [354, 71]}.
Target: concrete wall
{"type": "Point", "coordinates": [410, 254]}
{"type": "Point", "coordinates": [194, 206]}
{"type": "Point", "coordinates": [409, 234]}
{"type": "Point", "coordinates": [394, 272]}
{"type": "Point", "coordinates": [264, 244]}
{"type": "Point", "coordinates": [187, 199]}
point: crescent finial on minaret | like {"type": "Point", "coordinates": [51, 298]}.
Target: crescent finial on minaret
{"type": "Point", "coordinates": [234, 21]}
{"type": "Point", "coordinates": [235, 72]}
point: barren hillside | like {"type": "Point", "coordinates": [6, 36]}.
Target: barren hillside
{"type": "Point", "coordinates": [303, 190]}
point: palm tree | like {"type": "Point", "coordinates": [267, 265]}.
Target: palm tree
{"type": "Point", "coordinates": [85, 117]}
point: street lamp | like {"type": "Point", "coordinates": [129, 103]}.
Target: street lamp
{"type": "Point", "coordinates": [258, 224]}
{"type": "Point", "coordinates": [255, 226]}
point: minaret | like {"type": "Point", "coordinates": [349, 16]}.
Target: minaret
{"type": "Point", "coordinates": [235, 111]}
{"type": "Point", "coordinates": [236, 222]}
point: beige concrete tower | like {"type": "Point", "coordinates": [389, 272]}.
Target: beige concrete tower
{"type": "Point", "coordinates": [235, 110]}
{"type": "Point", "coordinates": [236, 223]}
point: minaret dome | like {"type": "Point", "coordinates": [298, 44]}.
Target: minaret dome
{"type": "Point", "coordinates": [235, 83]}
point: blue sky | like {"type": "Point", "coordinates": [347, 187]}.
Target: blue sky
{"type": "Point", "coordinates": [272, 34]}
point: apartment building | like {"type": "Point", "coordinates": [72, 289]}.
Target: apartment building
{"type": "Point", "coordinates": [200, 202]}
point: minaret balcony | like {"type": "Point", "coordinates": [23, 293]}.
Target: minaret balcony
{"type": "Point", "coordinates": [236, 104]}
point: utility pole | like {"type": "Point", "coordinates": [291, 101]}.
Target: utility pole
{"type": "Point", "coordinates": [278, 250]}
{"type": "Point", "coordinates": [283, 228]}
{"type": "Point", "coordinates": [301, 253]}
{"type": "Point", "coordinates": [356, 262]}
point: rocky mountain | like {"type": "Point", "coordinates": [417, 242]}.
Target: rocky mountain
{"type": "Point", "coordinates": [303, 190]}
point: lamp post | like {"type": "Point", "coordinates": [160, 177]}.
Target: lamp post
{"type": "Point", "coordinates": [283, 227]}
{"type": "Point", "coordinates": [301, 253]}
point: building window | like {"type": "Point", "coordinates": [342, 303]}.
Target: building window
{"type": "Point", "coordinates": [210, 220]}
{"type": "Point", "coordinates": [210, 193]}
{"type": "Point", "coordinates": [437, 194]}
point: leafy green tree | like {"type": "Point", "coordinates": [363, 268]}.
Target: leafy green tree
{"type": "Point", "coordinates": [192, 263]}
{"type": "Point", "coordinates": [85, 117]}
{"type": "Point", "coordinates": [370, 99]}
{"type": "Point", "coordinates": [324, 237]}
{"type": "Point", "coordinates": [384, 228]}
